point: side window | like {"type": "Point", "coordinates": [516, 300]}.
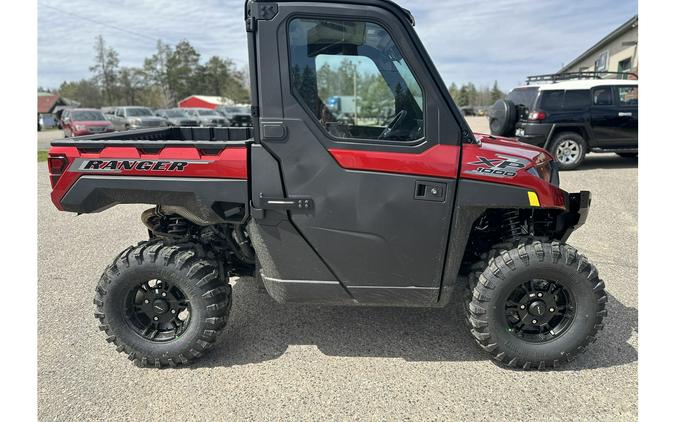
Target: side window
{"type": "Point", "coordinates": [577, 99]}
{"type": "Point", "coordinates": [602, 96]}
{"type": "Point", "coordinates": [351, 76]}
{"type": "Point", "coordinates": [628, 95]}
{"type": "Point", "coordinates": [551, 100]}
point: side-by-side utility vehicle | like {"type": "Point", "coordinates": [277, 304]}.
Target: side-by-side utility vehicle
{"type": "Point", "coordinates": [399, 205]}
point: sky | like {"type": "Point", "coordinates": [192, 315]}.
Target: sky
{"type": "Point", "coordinates": [468, 40]}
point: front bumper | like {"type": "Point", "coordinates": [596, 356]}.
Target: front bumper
{"type": "Point", "coordinates": [577, 204]}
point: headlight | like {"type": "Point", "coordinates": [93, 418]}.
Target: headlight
{"type": "Point", "coordinates": [80, 127]}
{"type": "Point", "coordinates": [135, 122]}
{"type": "Point", "coordinates": [163, 123]}
{"type": "Point", "coordinates": [545, 169]}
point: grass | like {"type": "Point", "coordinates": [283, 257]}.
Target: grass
{"type": "Point", "coordinates": [42, 156]}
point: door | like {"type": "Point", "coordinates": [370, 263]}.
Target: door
{"type": "Point", "coordinates": [603, 117]}
{"type": "Point", "coordinates": [360, 129]}
{"type": "Point", "coordinates": [614, 116]}
{"type": "Point", "coordinates": [626, 98]}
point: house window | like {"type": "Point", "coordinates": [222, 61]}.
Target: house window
{"type": "Point", "coordinates": [624, 65]}
{"type": "Point", "coordinates": [601, 61]}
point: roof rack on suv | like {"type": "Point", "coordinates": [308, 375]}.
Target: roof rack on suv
{"type": "Point", "coordinates": [555, 77]}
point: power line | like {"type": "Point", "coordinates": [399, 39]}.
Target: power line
{"type": "Point", "coordinates": [130, 32]}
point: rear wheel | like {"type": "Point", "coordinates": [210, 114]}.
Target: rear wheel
{"type": "Point", "coordinates": [162, 304]}
{"type": "Point", "coordinates": [537, 305]}
{"type": "Point", "coordinates": [569, 150]}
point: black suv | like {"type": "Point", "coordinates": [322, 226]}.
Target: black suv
{"type": "Point", "coordinates": [572, 117]}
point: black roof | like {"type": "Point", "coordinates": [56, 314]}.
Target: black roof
{"type": "Point", "coordinates": [386, 4]}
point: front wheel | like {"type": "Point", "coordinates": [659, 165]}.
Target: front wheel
{"type": "Point", "coordinates": [569, 150]}
{"type": "Point", "coordinates": [162, 304]}
{"type": "Point", "coordinates": [537, 305]}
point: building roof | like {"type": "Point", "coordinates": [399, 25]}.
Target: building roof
{"type": "Point", "coordinates": [210, 99]}
{"type": "Point", "coordinates": [46, 102]}
{"type": "Point", "coordinates": [585, 84]}
{"type": "Point", "coordinates": [631, 23]}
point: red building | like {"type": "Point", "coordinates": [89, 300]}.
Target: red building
{"type": "Point", "coordinates": [203, 101]}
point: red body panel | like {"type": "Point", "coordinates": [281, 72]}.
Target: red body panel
{"type": "Point", "coordinates": [492, 148]}
{"type": "Point", "coordinates": [437, 161]}
{"type": "Point", "coordinates": [230, 163]}
{"type": "Point", "coordinates": [443, 161]}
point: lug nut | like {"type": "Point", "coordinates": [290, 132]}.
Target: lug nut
{"type": "Point", "coordinates": [522, 306]}
{"type": "Point", "coordinates": [534, 321]}
{"type": "Point", "coordinates": [540, 294]}
{"type": "Point", "coordinates": [173, 311]}
{"type": "Point", "coordinates": [155, 318]}
{"type": "Point", "coordinates": [163, 293]}
{"type": "Point", "coordinates": [551, 309]}
{"type": "Point", "coordinates": [146, 301]}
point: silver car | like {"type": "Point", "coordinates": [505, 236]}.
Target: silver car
{"type": "Point", "coordinates": [125, 118]}
{"type": "Point", "coordinates": [207, 117]}
{"type": "Point", "coordinates": [177, 117]}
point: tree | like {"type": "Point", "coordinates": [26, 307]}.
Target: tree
{"type": "Point", "coordinates": [106, 63]}
{"type": "Point", "coordinates": [181, 69]}
{"type": "Point", "coordinates": [156, 73]}
{"type": "Point", "coordinates": [219, 77]}
{"type": "Point", "coordinates": [86, 92]}
{"type": "Point", "coordinates": [131, 85]}
{"type": "Point", "coordinates": [454, 92]}
{"type": "Point", "coordinates": [496, 93]}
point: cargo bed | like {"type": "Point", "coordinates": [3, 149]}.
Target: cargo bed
{"type": "Point", "coordinates": [201, 173]}
{"type": "Point", "coordinates": [157, 138]}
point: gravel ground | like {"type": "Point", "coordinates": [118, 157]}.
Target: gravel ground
{"type": "Point", "coordinates": [325, 363]}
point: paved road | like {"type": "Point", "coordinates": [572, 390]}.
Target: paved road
{"type": "Point", "coordinates": [46, 136]}
{"type": "Point", "coordinates": [318, 363]}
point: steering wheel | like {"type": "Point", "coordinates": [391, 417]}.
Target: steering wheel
{"type": "Point", "coordinates": [393, 124]}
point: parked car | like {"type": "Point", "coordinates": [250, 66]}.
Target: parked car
{"type": "Point", "coordinates": [207, 117]}
{"type": "Point", "coordinates": [46, 121]}
{"type": "Point", "coordinates": [236, 115]}
{"type": "Point", "coordinates": [468, 111]}
{"type": "Point", "coordinates": [176, 117]}
{"type": "Point", "coordinates": [125, 118]}
{"type": "Point", "coordinates": [84, 121]}
{"type": "Point", "coordinates": [571, 118]}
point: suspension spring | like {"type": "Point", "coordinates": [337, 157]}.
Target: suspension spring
{"type": "Point", "coordinates": [177, 226]}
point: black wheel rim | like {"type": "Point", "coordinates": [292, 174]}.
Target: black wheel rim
{"type": "Point", "coordinates": [157, 310]}
{"type": "Point", "coordinates": [539, 310]}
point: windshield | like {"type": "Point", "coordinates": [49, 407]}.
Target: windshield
{"type": "Point", "coordinates": [207, 113]}
{"type": "Point", "coordinates": [136, 112]}
{"type": "Point", "coordinates": [523, 96]}
{"type": "Point", "coordinates": [175, 113]}
{"type": "Point", "coordinates": [88, 115]}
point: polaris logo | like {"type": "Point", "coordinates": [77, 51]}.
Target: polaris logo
{"type": "Point", "coordinates": [120, 165]}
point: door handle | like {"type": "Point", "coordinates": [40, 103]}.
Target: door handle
{"type": "Point", "coordinates": [430, 191]}
{"type": "Point", "coordinates": [625, 114]}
